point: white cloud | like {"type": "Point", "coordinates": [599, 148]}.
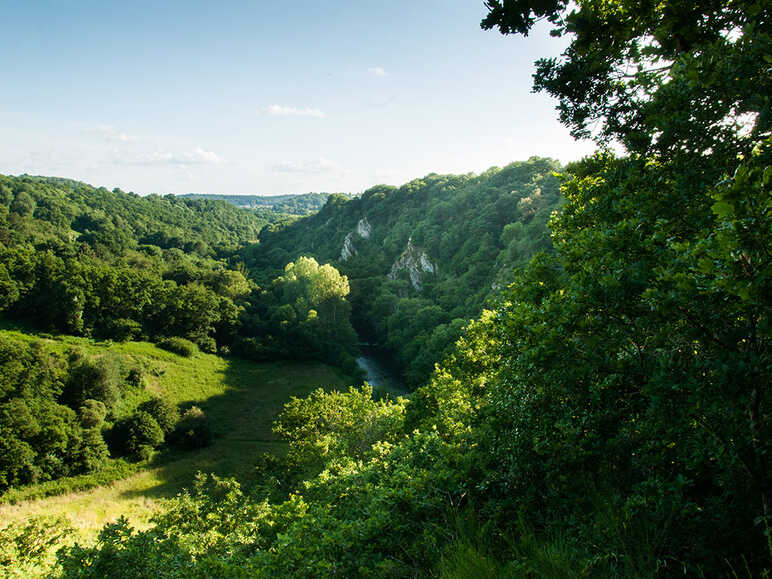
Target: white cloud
{"type": "Point", "coordinates": [198, 156]}
{"type": "Point", "coordinates": [111, 133]}
{"type": "Point", "coordinates": [202, 157]}
{"type": "Point", "coordinates": [282, 111]}
{"type": "Point", "coordinates": [377, 71]}
{"type": "Point", "coordinates": [321, 165]}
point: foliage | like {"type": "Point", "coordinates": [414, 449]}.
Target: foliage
{"type": "Point", "coordinates": [303, 314]}
{"type": "Point", "coordinates": [672, 79]}
{"type": "Point", "coordinates": [192, 430]}
{"type": "Point", "coordinates": [163, 411]}
{"type": "Point", "coordinates": [111, 471]}
{"type": "Point", "coordinates": [136, 436]}
{"type": "Point", "coordinates": [609, 416]}
{"type": "Point", "coordinates": [326, 426]}
{"type": "Point", "coordinates": [355, 517]}
{"type": "Point", "coordinates": [93, 379]}
{"type": "Point", "coordinates": [304, 204]}
{"type": "Point", "coordinates": [179, 346]}
{"type": "Point", "coordinates": [40, 438]}
{"type": "Point", "coordinates": [634, 372]}
{"type": "Point", "coordinates": [92, 413]}
{"type": "Point", "coordinates": [472, 229]}
{"type": "Point", "coordinates": [24, 547]}
{"type": "Point", "coordinates": [93, 262]}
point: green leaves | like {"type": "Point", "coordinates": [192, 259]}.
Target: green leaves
{"type": "Point", "coordinates": [722, 209]}
{"type": "Point", "coordinates": [669, 78]}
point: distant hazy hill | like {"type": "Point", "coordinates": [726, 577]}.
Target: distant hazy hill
{"type": "Point", "coordinates": [288, 204]}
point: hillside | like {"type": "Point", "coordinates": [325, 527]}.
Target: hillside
{"type": "Point", "coordinates": [115, 265]}
{"type": "Point", "coordinates": [240, 400]}
{"type": "Point", "coordinates": [75, 210]}
{"type": "Point", "coordinates": [423, 258]}
{"type": "Point", "coordinates": [300, 204]}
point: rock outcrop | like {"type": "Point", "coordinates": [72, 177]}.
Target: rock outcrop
{"type": "Point", "coordinates": [348, 250]}
{"type": "Point", "coordinates": [363, 230]}
{"type": "Point", "coordinates": [416, 262]}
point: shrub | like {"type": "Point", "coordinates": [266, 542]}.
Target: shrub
{"type": "Point", "coordinates": [93, 379]}
{"type": "Point", "coordinates": [92, 413]}
{"type": "Point", "coordinates": [193, 429]}
{"type": "Point", "coordinates": [136, 435]}
{"type": "Point", "coordinates": [134, 378]}
{"type": "Point", "coordinates": [24, 547]}
{"type": "Point", "coordinates": [91, 453]}
{"type": "Point", "coordinates": [123, 329]}
{"type": "Point", "coordinates": [164, 412]}
{"type": "Point", "coordinates": [207, 344]}
{"type": "Point", "coordinates": [179, 346]}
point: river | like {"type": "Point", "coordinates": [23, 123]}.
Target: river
{"type": "Point", "coordinates": [382, 372]}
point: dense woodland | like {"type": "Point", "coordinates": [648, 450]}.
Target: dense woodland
{"type": "Point", "coordinates": [423, 258]}
{"type": "Point", "coordinates": [304, 204]}
{"type": "Point", "coordinates": [116, 266]}
{"type": "Point", "coordinates": [113, 265]}
{"type": "Point", "coordinates": [607, 415]}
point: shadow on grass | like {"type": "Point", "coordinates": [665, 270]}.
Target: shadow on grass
{"type": "Point", "coordinates": [241, 420]}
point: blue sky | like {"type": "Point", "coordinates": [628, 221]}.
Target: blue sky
{"type": "Point", "coordinates": [267, 97]}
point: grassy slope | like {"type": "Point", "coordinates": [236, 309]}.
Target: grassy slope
{"type": "Point", "coordinates": [241, 398]}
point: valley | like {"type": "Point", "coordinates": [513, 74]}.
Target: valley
{"type": "Point", "coordinates": [542, 368]}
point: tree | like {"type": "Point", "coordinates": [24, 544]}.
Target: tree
{"type": "Point", "coordinates": [192, 429]}
{"type": "Point", "coordinates": [23, 204]}
{"type": "Point", "coordinates": [636, 364]}
{"type": "Point", "coordinates": [666, 78]}
{"type": "Point", "coordinates": [164, 412]}
{"type": "Point", "coordinates": [97, 380]}
{"type": "Point", "coordinates": [92, 414]}
{"type": "Point", "coordinates": [137, 435]}
{"type": "Point", "coordinates": [328, 425]}
{"type": "Point", "coordinates": [313, 315]}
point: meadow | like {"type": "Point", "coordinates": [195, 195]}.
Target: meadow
{"type": "Point", "coordinates": [241, 399]}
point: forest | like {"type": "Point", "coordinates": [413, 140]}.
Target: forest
{"type": "Point", "coordinates": [589, 345]}
{"type": "Point", "coordinates": [303, 204]}
{"type": "Point", "coordinates": [422, 259]}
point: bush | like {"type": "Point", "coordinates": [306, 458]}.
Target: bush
{"type": "Point", "coordinates": [207, 344]}
{"type": "Point", "coordinates": [25, 547]}
{"type": "Point", "coordinates": [164, 412]}
{"type": "Point", "coordinates": [193, 429]}
{"type": "Point", "coordinates": [135, 379]}
{"type": "Point", "coordinates": [92, 413]}
{"type": "Point", "coordinates": [92, 452]}
{"type": "Point", "coordinates": [93, 379]}
{"type": "Point", "coordinates": [137, 435]}
{"type": "Point", "coordinates": [179, 346]}
{"type": "Point", "coordinates": [123, 329]}
{"type": "Point", "coordinates": [112, 471]}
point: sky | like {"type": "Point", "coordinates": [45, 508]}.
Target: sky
{"type": "Point", "coordinates": [266, 98]}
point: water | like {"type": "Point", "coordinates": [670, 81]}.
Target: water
{"type": "Point", "coordinates": [382, 373]}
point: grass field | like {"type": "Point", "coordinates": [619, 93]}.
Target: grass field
{"type": "Point", "coordinates": [241, 399]}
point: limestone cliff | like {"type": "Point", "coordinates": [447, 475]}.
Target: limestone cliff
{"type": "Point", "coordinates": [416, 262]}
{"type": "Point", "coordinates": [363, 230]}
